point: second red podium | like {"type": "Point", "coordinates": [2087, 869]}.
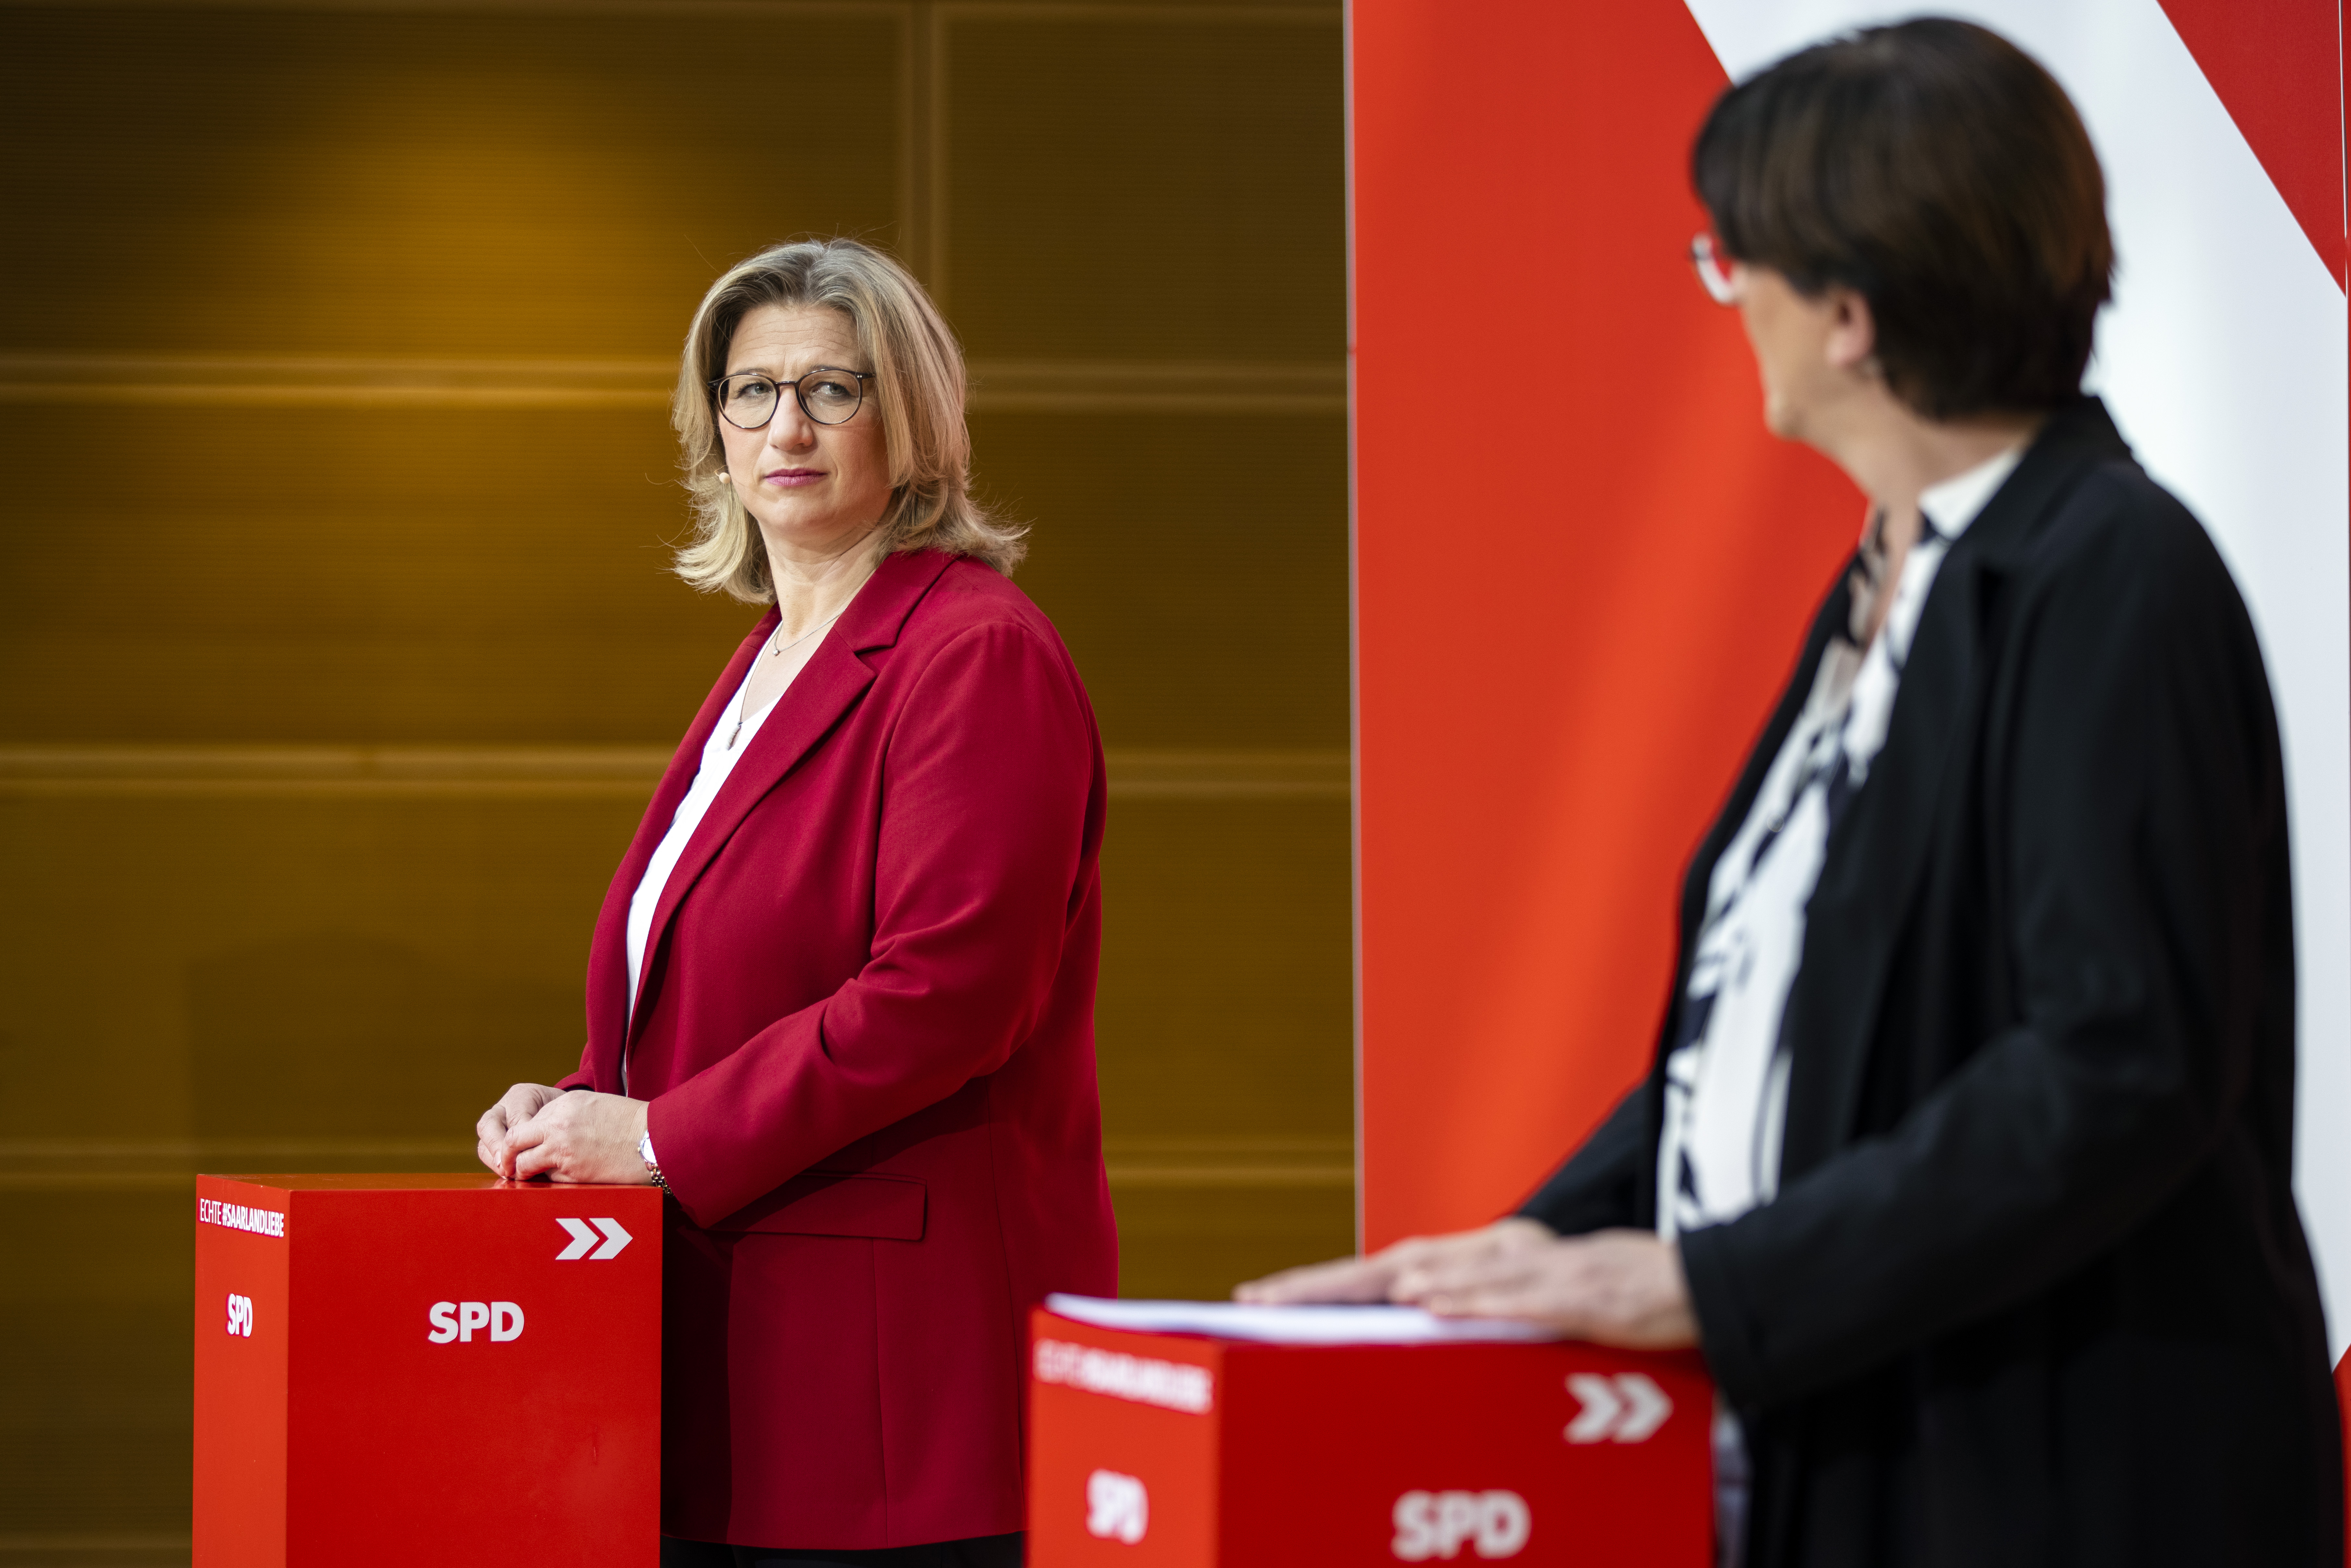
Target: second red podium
{"type": "Point", "coordinates": [1184, 1435]}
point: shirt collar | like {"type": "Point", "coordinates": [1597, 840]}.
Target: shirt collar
{"type": "Point", "coordinates": [1948, 508]}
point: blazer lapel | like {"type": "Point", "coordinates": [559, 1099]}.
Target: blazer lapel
{"type": "Point", "coordinates": [829, 685]}
{"type": "Point", "coordinates": [607, 954]}
{"type": "Point", "coordinates": [1879, 854]}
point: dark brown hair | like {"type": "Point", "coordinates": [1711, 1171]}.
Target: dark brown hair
{"type": "Point", "coordinates": [1938, 171]}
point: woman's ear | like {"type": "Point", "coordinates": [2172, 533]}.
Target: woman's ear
{"type": "Point", "coordinates": [1852, 343]}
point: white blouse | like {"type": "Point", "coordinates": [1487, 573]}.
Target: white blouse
{"type": "Point", "coordinates": [718, 760]}
{"type": "Point", "coordinates": [1726, 1081]}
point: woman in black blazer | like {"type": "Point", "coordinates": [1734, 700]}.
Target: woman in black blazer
{"type": "Point", "coordinates": [1967, 1156]}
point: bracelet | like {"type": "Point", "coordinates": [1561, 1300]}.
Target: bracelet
{"type": "Point", "coordinates": [652, 1166]}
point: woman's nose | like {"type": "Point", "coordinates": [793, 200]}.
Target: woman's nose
{"type": "Point", "coordinates": [789, 428]}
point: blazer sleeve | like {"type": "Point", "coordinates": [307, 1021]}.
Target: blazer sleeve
{"type": "Point", "coordinates": [1598, 1186]}
{"type": "Point", "coordinates": [986, 789]}
{"type": "Point", "coordinates": [2144, 881]}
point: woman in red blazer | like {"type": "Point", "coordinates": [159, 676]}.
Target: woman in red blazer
{"type": "Point", "coordinates": [841, 995]}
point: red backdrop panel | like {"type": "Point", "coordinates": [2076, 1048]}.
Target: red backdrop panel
{"type": "Point", "coordinates": [1582, 569]}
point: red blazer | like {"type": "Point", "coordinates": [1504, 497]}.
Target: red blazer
{"type": "Point", "coordinates": [865, 1025]}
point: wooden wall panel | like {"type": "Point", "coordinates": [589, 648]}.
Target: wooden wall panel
{"type": "Point", "coordinates": [1175, 1241]}
{"type": "Point", "coordinates": [225, 970]}
{"type": "Point", "coordinates": [1188, 563]}
{"type": "Point", "coordinates": [339, 649]}
{"type": "Point", "coordinates": [446, 182]}
{"type": "Point", "coordinates": [1150, 186]}
{"type": "Point", "coordinates": [94, 1427]}
{"type": "Point", "coordinates": [1226, 968]}
{"type": "Point", "coordinates": [353, 944]}
{"type": "Point", "coordinates": [291, 959]}
{"type": "Point", "coordinates": [409, 575]}
{"type": "Point", "coordinates": [383, 575]}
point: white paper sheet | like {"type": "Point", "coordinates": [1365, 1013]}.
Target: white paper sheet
{"type": "Point", "coordinates": [1293, 1325]}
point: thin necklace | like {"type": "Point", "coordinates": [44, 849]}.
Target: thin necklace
{"type": "Point", "coordinates": [743, 703]}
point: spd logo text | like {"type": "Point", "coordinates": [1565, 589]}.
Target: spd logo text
{"type": "Point", "coordinates": [240, 1315]}
{"type": "Point", "coordinates": [1117, 1507]}
{"type": "Point", "coordinates": [1440, 1523]}
{"type": "Point", "coordinates": [458, 1320]}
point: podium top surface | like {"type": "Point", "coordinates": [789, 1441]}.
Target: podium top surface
{"type": "Point", "coordinates": [405, 1181]}
{"type": "Point", "coordinates": [1315, 1325]}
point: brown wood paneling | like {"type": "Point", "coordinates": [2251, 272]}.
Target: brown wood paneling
{"type": "Point", "coordinates": [94, 1434]}
{"type": "Point", "coordinates": [324, 966]}
{"type": "Point", "coordinates": [333, 346]}
{"type": "Point", "coordinates": [500, 576]}
{"type": "Point", "coordinates": [336, 574]}
{"type": "Point", "coordinates": [1144, 187]}
{"type": "Point", "coordinates": [242, 957]}
{"type": "Point", "coordinates": [1197, 566]}
{"type": "Point", "coordinates": [448, 183]}
{"type": "Point", "coordinates": [1200, 1244]}
{"type": "Point", "coordinates": [1227, 989]}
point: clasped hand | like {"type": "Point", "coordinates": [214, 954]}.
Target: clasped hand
{"type": "Point", "coordinates": [535, 1130]}
{"type": "Point", "coordinates": [1622, 1287]}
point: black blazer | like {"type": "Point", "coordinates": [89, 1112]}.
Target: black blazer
{"type": "Point", "coordinates": [2035, 1290]}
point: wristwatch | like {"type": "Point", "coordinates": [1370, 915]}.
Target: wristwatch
{"type": "Point", "coordinates": [652, 1165]}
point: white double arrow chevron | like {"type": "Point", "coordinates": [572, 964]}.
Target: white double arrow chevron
{"type": "Point", "coordinates": [582, 1239]}
{"type": "Point", "coordinates": [1628, 1407]}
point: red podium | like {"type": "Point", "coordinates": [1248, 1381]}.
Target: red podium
{"type": "Point", "coordinates": [411, 1369]}
{"type": "Point", "coordinates": [1179, 1444]}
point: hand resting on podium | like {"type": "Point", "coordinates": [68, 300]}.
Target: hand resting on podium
{"type": "Point", "coordinates": [538, 1129]}
{"type": "Point", "coordinates": [1622, 1287]}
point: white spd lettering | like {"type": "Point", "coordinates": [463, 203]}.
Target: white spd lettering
{"type": "Point", "coordinates": [1146, 1380]}
{"type": "Point", "coordinates": [456, 1321]}
{"type": "Point", "coordinates": [240, 1217]}
{"type": "Point", "coordinates": [1117, 1507]}
{"type": "Point", "coordinates": [240, 1315]}
{"type": "Point", "coordinates": [1438, 1524]}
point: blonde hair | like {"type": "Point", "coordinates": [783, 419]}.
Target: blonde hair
{"type": "Point", "coordinates": [918, 389]}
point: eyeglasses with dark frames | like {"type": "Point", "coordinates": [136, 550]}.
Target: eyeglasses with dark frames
{"type": "Point", "coordinates": [747, 400]}
{"type": "Point", "coordinates": [1713, 269]}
